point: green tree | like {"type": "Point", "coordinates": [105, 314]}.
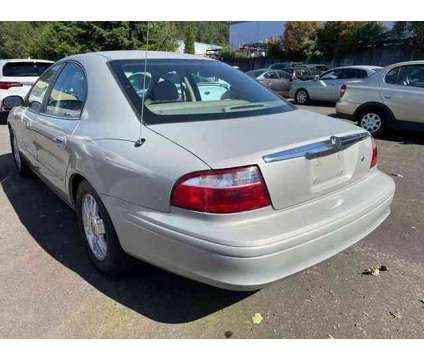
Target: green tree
{"type": "Point", "coordinates": [298, 36]}
{"type": "Point", "coordinates": [342, 37]}
{"type": "Point", "coordinates": [62, 38]}
{"type": "Point", "coordinates": [189, 39]}
{"type": "Point", "coordinates": [415, 30]}
{"type": "Point", "coordinates": [211, 32]}
{"type": "Point", "coordinates": [18, 39]}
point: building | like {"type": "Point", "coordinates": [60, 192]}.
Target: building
{"type": "Point", "coordinates": [248, 32]}
{"type": "Point", "coordinates": [199, 48]}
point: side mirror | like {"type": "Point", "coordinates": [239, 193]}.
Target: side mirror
{"type": "Point", "coordinates": [10, 102]}
{"type": "Point", "coordinates": [316, 77]}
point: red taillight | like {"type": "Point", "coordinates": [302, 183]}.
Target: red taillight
{"type": "Point", "coordinates": [221, 191]}
{"type": "Point", "coordinates": [343, 89]}
{"type": "Point", "coordinates": [5, 85]}
{"type": "Point", "coordinates": [374, 157]}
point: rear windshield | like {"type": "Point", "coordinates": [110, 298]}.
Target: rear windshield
{"type": "Point", "coordinates": [24, 68]}
{"type": "Point", "coordinates": [193, 90]}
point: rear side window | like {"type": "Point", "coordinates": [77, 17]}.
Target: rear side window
{"type": "Point", "coordinates": [283, 75]}
{"type": "Point", "coordinates": [391, 76]}
{"type": "Point", "coordinates": [271, 75]}
{"type": "Point", "coordinates": [361, 74]}
{"type": "Point", "coordinates": [39, 90]}
{"type": "Point", "coordinates": [411, 75]}
{"type": "Point", "coordinates": [67, 96]}
{"type": "Point", "coordinates": [24, 69]}
{"type": "Point", "coordinates": [347, 74]}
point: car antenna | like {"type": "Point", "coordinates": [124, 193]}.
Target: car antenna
{"type": "Point", "coordinates": [141, 140]}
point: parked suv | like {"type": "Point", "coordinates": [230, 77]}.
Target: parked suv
{"type": "Point", "coordinates": [393, 97]}
{"type": "Point", "coordinates": [17, 77]}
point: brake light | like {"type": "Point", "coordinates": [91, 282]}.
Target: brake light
{"type": "Point", "coordinates": [221, 191]}
{"type": "Point", "coordinates": [343, 89]}
{"type": "Point", "coordinates": [5, 85]}
{"type": "Point", "coordinates": [374, 157]}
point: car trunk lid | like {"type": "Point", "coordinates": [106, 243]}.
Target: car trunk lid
{"type": "Point", "coordinates": [301, 155]}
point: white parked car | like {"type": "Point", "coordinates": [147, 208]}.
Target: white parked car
{"type": "Point", "coordinates": [393, 97]}
{"type": "Point", "coordinates": [17, 77]}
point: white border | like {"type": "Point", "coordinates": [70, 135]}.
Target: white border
{"type": "Point", "coordinates": [201, 10]}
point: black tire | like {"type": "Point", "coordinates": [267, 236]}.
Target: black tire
{"type": "Point", "coordinates": [116, 261]}
{"type": "Point", "coordinates": [21, 165]}
{"type": "Point", "coordinates": [373, 120]}
{"type": "Point", "coordinates": [301, 97]}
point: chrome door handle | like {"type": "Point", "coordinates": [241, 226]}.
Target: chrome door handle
{"type": "Point", "coordinates": [60, 140]}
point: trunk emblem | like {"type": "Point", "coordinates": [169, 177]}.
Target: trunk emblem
{"type": "Point", "coordinates": [336, 141]}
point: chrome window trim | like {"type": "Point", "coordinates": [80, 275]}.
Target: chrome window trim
{"type": "Point", "coordinates": [317, 149]}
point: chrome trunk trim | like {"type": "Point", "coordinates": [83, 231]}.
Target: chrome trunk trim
{"type": "Point", "coordinates": [322, 148]}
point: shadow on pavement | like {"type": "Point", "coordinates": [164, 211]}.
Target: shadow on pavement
{"type": "Point", "coordinates": [152, 292]}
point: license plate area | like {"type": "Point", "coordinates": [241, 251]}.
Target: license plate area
{"type": "Point", "coordinates": [326, 168]}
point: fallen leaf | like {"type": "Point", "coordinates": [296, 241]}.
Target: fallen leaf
{"type": "Point", "coordinates": [228, 334]}
{"type": "Point", "coordinates": [257, 318]}
{"type": "Point", "coordinates": [396, 314]}
{"type": "Point", "coordinates": [374, 270]}
{"type": "Point", "coordinates": [422, 300]}
{"type": "Point", "coordinates": [383, 268]}
{"type": "Point", "coordinates": [398, 175]}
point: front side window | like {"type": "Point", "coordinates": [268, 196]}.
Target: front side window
{"type": "Point", "coordinates": [39, 90]}
{"type": "Point", "coordinates": [331, 75]}
{"type": "Point", "coordinates": [194, 90]}
{"type": "Point", "coordinates": [67, 96]}
{"type": "Point", "coordinates": [391, 76]}
{"type": "Point", "coordinates": [411, 75]}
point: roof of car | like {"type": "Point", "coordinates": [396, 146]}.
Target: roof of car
{"type": "Point", "coordinates": [26, 60]}
{"type": "Point", "coordinates": [414, 62]}
{"type": "Point", "coordinates": [139, 54]}
{"type": "Point", "coordinates": [363, 67]}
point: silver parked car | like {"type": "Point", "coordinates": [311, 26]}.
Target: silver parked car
{"type": "Point", "coordinates": [275, 80]}
{"type": "Point", "coordinates": [330, 85]}
{"type": "Point", "coordinates": [392, 98]}
{"type": "Point", "coordinates": [237, 190]}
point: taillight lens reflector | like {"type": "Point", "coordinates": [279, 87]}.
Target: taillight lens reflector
{"type": "Point", "coordinates": [221, 191]}
{"type": "Point", "coordinates": [343, 89]}
{"type": "Point", "coordinates": [5, 85]}
{"type": "Point", "coordinates": [374, 157]}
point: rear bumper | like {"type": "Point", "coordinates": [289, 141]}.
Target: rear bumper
{"type": "Point", "coordinates": [264, 247]}
{"type": "Point", "coordinates": [346, 109]}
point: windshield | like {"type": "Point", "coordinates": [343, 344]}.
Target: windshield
{"type": "Point", "coordinates": [193, 90]}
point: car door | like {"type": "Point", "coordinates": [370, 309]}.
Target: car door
{"type": "Point", "coordinates": [284, 82]}
{"type": "Point", "coordinates": [326, 87]}
{"type": "Point", "coordinates": [270, 80]}
{"type": "Point", "coordinates": [57, 122]}
{"type": "Point", "coordinates": [31, 111]}
{"type": "Point", "coordinates": [402, 91]}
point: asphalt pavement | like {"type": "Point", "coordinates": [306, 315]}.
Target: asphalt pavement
{"type": "Point", "coordinates": [49, 289]}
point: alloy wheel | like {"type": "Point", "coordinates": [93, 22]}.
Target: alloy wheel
{"type": "Point", "coordinates": [16, 154]}
{"type": "Point", "coordinates": [301, 97]}
{"type": "Point", "coordinates": [371, 122]}
{"type": "Point", "coordinates": [94, 228]}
